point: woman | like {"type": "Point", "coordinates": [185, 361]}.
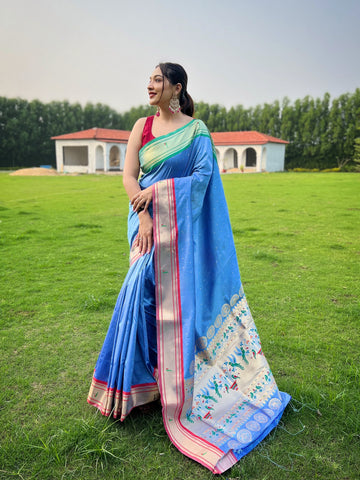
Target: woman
{"type": "Point", "coordinates": [181, 328]}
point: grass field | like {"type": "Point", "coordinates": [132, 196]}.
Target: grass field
{"type": "Point", "coordinates": [64, 255]}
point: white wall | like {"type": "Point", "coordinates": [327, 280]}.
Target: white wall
{"type": "Point", "coordinates": [275, 157]}
{"type": "Point", "coordinates": [95, 158]}
{"type": "Point", "coordinates": [70, 146]}
{"type": "Point", "coordinates": [99, 157]}
{"type": "Point", "coordinates": [269, 157]}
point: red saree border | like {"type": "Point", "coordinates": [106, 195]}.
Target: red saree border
{"type": "Point", "coordinates": [109, 400]}
{"type": "Point", "coordinates": [169, 333]}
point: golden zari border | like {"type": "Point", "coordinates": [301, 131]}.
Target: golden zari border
{"type": "Point", "coordinates": [111, 401]}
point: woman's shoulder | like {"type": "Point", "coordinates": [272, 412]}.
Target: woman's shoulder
{"type": "Point", "coordinates": [140, 123]}
{"type": "Point", "coordinates": [201, 126]}
{"type": "Point", "coordinates": [187, 118]}
{"type": "Point", "coordinates": [138, 128]}
{"type": "Point", "coordinates": [136, 133]}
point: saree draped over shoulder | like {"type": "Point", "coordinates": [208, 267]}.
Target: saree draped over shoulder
{"type": "Point", "coordinates": [182, 328]}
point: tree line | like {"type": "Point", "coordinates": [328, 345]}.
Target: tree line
{"type": "Point", "coordinates": [322, 132]}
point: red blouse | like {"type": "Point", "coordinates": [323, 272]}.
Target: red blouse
{"type": "Point", "coordinates": [147, 135]}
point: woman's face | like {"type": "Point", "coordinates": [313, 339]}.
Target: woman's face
{"type": "Point", "coordinates": [160, 89]}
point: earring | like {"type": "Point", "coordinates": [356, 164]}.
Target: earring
{"type": "Point", "coordinates": [174, 105]}
{"type": "Point", "coordinates": [157, 114]}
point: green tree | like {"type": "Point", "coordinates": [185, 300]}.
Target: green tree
{"type": "Point", "coordinates": [270, 119]}
{"type": "Point", "coordinates": [357, 140]}
{"type": "Point", "coordinates": [202, 111]}
{"type": "Point", "coordinates": [321, 133]}
{"type": "Point", "coordinates": [232, 120]}
{"type": "Point", "coordinates": [343, 127]}
{"type": "Point", "coordinates": [130, 117]}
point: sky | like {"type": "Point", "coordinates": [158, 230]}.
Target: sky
{"type": "Point", "coordinates": [246, 52]}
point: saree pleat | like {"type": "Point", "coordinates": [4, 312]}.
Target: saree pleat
{"type": "Point", "coordinates": [123, 375]}
{"type": "Point", "coordinates": [182, 328]}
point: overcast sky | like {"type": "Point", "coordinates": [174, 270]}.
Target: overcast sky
{"type": "Point", "coordinates": [235, 51]}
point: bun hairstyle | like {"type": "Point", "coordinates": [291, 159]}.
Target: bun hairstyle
{"type": "Point", "coordinates": [175, 73]}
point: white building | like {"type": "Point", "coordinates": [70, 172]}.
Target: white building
{"type": "Point", "coordinates": [102, 150]}
{"type": "Point", "coordinates": [90, 151]}
{"type": "Point", "coordinates": [249, 152]}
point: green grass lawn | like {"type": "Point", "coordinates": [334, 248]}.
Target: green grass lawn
{"type": "Point", "coordinates": [64, 255]}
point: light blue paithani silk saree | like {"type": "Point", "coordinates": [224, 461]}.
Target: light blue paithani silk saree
{"type": "Point", "coordinates": [182, 328]}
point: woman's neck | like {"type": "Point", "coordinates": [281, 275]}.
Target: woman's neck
{"type": "Point", "coordinates": [168, 117]}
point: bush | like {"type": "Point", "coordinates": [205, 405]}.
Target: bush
{"type": "Point", "coordinates": [351, 168]}
{"type": "Point", "coordinates": [345, 168]}
{"type": "Point", "coordinates": [300, 169]}
{"type": "Point", "coordinates": [335, 169]}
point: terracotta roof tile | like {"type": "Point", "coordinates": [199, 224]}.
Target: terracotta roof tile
{"type": "Point", "coordinates": [244, 138]}
{"type": "Point", "coordinates": [102, 134]}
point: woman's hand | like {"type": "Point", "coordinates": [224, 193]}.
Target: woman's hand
{"type": "Point", "coordinates": [144, 238]}
{"type": "Point", "coordinates": [141, 200]}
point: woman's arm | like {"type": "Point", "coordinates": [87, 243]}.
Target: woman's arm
{"type": "Point", "coordinates": [132, 165]}
{"type": "Point", "coordinates": [138, 198]}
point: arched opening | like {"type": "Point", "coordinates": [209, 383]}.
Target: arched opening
{"type": "Point", "coordinates": [114, 157]}
{"type": "Point", "coordinates": [217, 153]}
{"type": "Point", "coordinates": [99, 158]}
{"type": "Point", "coordinates": [250, 159]}
{"type": "Point", "coordinates": [231, 159]}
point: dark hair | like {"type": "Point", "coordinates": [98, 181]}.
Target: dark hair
{"type": "Point", "coordinates": [175, 73]}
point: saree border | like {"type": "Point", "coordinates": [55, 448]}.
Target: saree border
{"type": "Point", "coordinates": [169, 333]}
{"type": "Point", "coordinates": [135, 252]}
{"type": "Point", "coordinates": [162, 137]}
{"type": "Point", "coordinates": [110, 400]}
{"type": "Point", "coordinates": [171, 144]}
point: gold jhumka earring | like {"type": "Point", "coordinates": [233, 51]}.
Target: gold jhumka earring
{"type": "Point", "coordinates": [174, 105]}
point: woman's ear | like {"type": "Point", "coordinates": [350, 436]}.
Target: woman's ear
{"type": "Point", "coordinates": [178, 88]}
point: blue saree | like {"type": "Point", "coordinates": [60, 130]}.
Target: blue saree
{"type": "Point", "coordinates": [182, 329]}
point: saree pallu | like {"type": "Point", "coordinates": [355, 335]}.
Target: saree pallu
{"type": "Point", "coordinates": [182, 328]}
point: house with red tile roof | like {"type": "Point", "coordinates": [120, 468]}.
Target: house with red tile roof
{"type": "Point", "coordinates": [103, 150]}
{"type": "Point", "coordinates": [91, 151]}
{"type": "Point", "coordinates": [249, 152]}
